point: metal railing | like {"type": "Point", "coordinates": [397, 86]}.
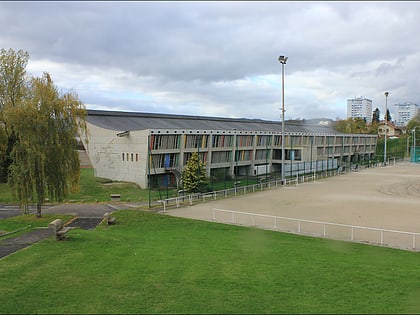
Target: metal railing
{"type": "Point", "coordinates": [230, 192]}
{"type": "Point", "coordinates": [189, 199]}
{"type": "Point", "coordinates": [337, 231]}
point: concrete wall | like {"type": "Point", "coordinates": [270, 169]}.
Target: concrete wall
{"type": "Point", "coordinates": [123, 156]}
{"type": "Point", "coordinates": [118, 158]}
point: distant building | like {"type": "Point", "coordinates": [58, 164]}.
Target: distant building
{"type": "Point", "coordinates": [390, 129]}
{"type": "Point", "coordinates": [359, 107]}
{"type": "Point", "coordinates": [404, 112]}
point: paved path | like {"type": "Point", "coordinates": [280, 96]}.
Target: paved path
{"type": "Point", "coordinates": [11, 245]}
{"type": "Point", "coordinates": [88, 216]}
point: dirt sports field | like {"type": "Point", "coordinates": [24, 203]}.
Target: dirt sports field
{"type": "Point", "coordinates": [383, 198]}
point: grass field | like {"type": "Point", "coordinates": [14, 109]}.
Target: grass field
{"type": "Point", "coordinates": [94, 189]}
{"type": "Point", "coordinates": [152, 263]}
{"type": "Point", "coordinates": [23, 223]}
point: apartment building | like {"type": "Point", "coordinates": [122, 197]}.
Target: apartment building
{"type": "Point", "coordinates": [152, 149]}
{"type": "Point", "coordinates": [404, 112]}
{"type": "Point", "coordinates": [359, 107]}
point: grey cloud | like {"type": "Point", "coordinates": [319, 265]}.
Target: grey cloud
{"type": "Point", "coordinates": [179, 53]}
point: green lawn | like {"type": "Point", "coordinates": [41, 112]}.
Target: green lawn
{"type": "Point", "coordinates": [23, 223]}
{"type": "Point", "coordinates": [96, 189]}
{"type": "Point", "coordinates": [152, 263]}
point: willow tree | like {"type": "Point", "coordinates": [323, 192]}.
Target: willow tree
{"type": "Point", "coordinates": [12, 76]}
{"type": "Point", "coordinates": [194, 174]}
{"type": "Point", "coordinates": [13, 89]}
{"type": "Point", "coordinates": [45, 161]}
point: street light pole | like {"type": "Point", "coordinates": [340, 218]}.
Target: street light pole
{"type": "Point", "coordinates": [282, 60]}
{"type": "Point", "coordinates": [386, 124]}
{"type": "Point", "coordinates": [198, 139]}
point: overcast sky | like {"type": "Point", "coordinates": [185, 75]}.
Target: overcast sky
{"type": "Point", "coordinates": [221, 58]}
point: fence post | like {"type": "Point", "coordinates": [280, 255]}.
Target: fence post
{"type": "Point", "coordinates": [382, 237]}
{"type": "Point", "coordinates": [414, 240]}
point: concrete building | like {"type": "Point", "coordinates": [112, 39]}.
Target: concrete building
{"type": "Point", "coordinates": [152, 149]}
{"type": "Point", "coordinates": [404, 112]}
{"type": "Point", "coordinates": [359, 107]}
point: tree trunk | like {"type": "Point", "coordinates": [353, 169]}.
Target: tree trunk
{"type": "Point", "coordinates": [38, 209]}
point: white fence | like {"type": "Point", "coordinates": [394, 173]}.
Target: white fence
{"type": "Point", "coordinates": [242, 190]}
{"type": "Point", "coordinates": [189, 199]}
{"type": "Point", "coordinates": [346, 232]}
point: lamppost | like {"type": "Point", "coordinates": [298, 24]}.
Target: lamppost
{"type": "Point", "coordinates": [236, 156]}
{"type": "Point", "coordinates": [198, 140]}
{"type": "Point", "coordinates": [386, 124]}
{"type": "Point", "coordinates": [282, 60]}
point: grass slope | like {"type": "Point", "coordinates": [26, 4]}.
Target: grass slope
{"type": "Point", "coordinates": [93, 189]}
{"type": "Point", "coordinates": [151, 263]}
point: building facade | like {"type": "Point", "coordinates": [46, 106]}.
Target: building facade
{"type": "Point", "coordinates": [152, 149]}
{"type": "Point", "coordinates": [359, 107]}
{"type": "Point", "coordinates": [404, 112]}
{"type": "Point", "coordinates": [389, 129]}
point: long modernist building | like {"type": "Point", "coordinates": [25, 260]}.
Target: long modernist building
{"type": "Point", "coordinates": [152, 149]}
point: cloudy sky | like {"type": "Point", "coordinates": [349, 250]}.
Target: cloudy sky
{"type": "Point", "coordinates": [221, 58]}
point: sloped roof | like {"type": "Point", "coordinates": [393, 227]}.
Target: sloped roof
{"type": "Point", "coordinates": [132, 121]}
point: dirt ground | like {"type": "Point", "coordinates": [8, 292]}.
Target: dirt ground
{"type": "Point", "coordinates": [383, 197]}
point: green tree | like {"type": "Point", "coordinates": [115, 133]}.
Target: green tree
{"type": "Point", "coordinates": [388, 115]}
{"type": "Point", "coordinates": [194, 174]}
{"type": "Point", "coordinates": [376, 116]}
{"type": "Point", "coordinates": [45, 160]}
{"type": "Point", "coordinates": [13, 90]}
{"type": "Point", "coordinates": [415, 121]}
{"type": "Point", "coordinates": [351, 125]}
{"type": "Point", "coordinates": [12, 77]}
